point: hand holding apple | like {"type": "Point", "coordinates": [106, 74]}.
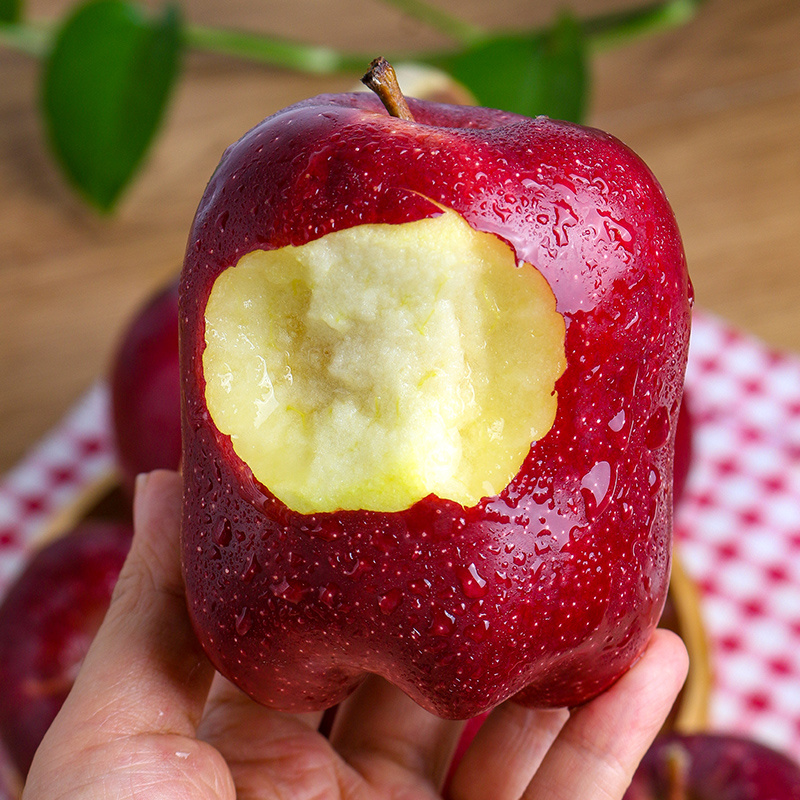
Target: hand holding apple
{"type": "Point", "coordinates": [138, 716]}
{"type": "Point", "coordinates": [431, 372]}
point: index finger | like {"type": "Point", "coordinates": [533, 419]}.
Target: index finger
{"type": "Point", "coordinates": [601, 744]}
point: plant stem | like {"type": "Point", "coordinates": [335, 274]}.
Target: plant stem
{"type": "Point", "coordinates": [455, 28]}
{"type": "Point", "coordinates": [382, 80]}
{"type": "Point", "coordinates": [26, 37]}
{"type": "Point", "coordinates": [34, 38]}
{"type": "Point", "coordinates": [606, 30]}
{"type": "Point", "coordinates": [677, 762]}
{"type": "Point", "coordinates": [273, 50]}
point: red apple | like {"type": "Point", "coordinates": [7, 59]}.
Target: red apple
{"type": "Point", "coordinates": [145, 389]}
{"type": "Point", "coordinates": [9, 790]}
{"type": "Point", "coordinates": [714, 766]}
{"type": "Point", "coordinates": [431, 370]}
{"type": "Point", "coordinates": [48, 618]}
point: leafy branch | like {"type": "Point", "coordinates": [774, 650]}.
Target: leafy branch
{"type": "Point", "coordinates": [109, 69]}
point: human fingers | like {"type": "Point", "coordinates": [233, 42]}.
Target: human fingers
{"type": "Point", "coordinates": [268, 748]}
{"type": "Point", "coordinates": [599, 747]}
{"type": "Point", "coordinates": [506, 752]}
{"type": "Point", "coordinates": [140, 692]}
{"type": "Point", "coordinates": [399, 748]}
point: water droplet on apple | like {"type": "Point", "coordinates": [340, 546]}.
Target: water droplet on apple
{"type": "Point", "coordinates": [478, 632]}
{"type": "Point", "coordinates": [543, 543]}
{"type": "Point", "coordinates": [292, 591]}
{"type": "Point", "coordinates": [617, 422]}
{"type": "Point", "coordinates": [330, 595]}
{"type": "Point", "coordinates": [597, 480]}
{"type": "Point", "coordinates": [420, 587]}
{"type": "Point", "coordinates": [221, 532]}
{"type": "Point", "coordinates": [658, 428]}
{"type": "Point", "coordinates": [442, 622]}
{"type": "Point", "coordinates": [473, 584]}
{"type": "Point", "coordinates": [384, 540]}
{"type": "Point", "coordinates": [252, 568]}
{"type": "Point", "coordinates": [598, 487]}
{"type": "Point", "coordinates": [503, 579]}
{"type": "Point", "coordinates": [390, 601]}
{"type": "Point", "coordinates": [244, 621]}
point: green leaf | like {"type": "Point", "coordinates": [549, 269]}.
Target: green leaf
{"type": "Point", "coordinates": [544, 72]}
{"type": "Point", "coordinates": [10, 10]}
{"type": "Point", "coordinates": [106, 83]}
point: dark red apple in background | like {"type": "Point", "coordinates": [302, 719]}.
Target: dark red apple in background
{"type": "Point", "coordinates": [432, 370]}
{"type": "Point", "coordinates": [6, 784]}
{"type": "Point", "coordinates": [48, 618]}
{"type": "Point", "coordinates": [714, 766]}
{"type": "Point", "coordinates": [145, 389]}
{"type": "Point", "coordinates": [684, 448]}
{"type": "Point", "coordinates": [6, 792]}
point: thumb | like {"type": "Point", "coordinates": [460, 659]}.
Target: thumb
{"type": "Point", "coordinates": [140, 693]}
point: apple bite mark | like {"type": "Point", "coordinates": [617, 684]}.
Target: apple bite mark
{"type": "Point", "coordinates": [383, 363]}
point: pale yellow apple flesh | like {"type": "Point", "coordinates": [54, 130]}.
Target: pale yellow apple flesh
{"type": "Point", "coordinates": [382, 363]}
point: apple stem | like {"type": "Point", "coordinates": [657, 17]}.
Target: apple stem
{"type": "Point", "coordinates": [382, 80]}
{"type": "Point", "coordinates": [677, 763]}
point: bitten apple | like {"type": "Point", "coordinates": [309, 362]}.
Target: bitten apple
{"type": "Point", "coordinates": [714, 766]}
{"type": "Point", "coordinates": [48, 619]}
{"type": "Point", "coordinates": [431, 368]}
{"type": "Point", "coordinates": [145, 389]}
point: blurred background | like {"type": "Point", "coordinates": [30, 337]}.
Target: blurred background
{"type": "Point", "coordinates": [713, 105]}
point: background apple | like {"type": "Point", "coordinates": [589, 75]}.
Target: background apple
{"type": "Point", "coordinates": [8, 788]}
{"type": "Point", "coordinates": [48, 619]}
{"type": "Point", "coordinates": [145, 389]}
{"type": "Point", "coordinates": [547, 586]}
{"type": "Point", "coordinates": [684, 448]}
{"type": "Point", "coordinates": [714, 766]}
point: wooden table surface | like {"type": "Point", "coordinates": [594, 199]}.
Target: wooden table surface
{"type": "Point", "coordinates": [713, 107]}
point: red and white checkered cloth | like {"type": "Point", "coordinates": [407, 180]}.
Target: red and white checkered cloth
{"type": "Point", "coordinates": [738, 527]}
{"type": "Point", "coordinates": [71, 458]}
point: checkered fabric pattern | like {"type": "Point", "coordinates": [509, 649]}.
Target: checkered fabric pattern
{"type": "Point", "coordinates": [72, 457]}
{"type": "Point", "coordinates": [737, 529]}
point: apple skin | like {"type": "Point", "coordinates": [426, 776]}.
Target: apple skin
{"type": "Point", "coordinates": [547, 591]}
{"type": "Point", "coordinates": [145, 389]}
{"type": "Point", "coordinates": [48, 619]}
{"type": "Point", "coordinates": [718, 767]}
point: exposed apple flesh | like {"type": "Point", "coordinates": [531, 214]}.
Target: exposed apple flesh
{"type": "Point", "coordinates": [369, 368]}
{"type": "Point", "coordinates": [546, 587]}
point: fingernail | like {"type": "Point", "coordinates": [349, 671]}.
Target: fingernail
{"type": "Point", "coordinates": [141, 481]}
